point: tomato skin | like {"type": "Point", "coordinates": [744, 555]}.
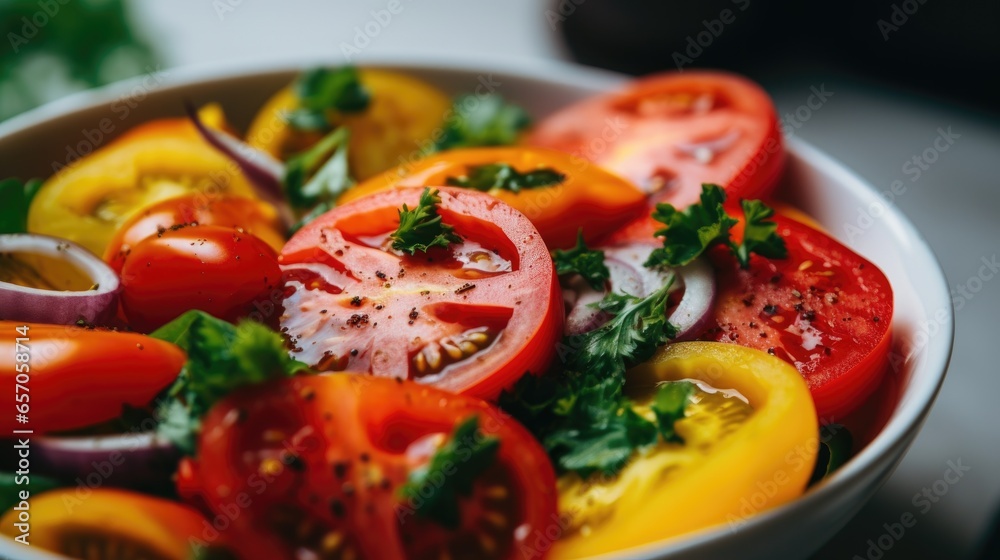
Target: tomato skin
{"type": "Point", "coordinates": [252, 216]}
{"type": "Point", "coordinates": [218, 270]}
{"type": "Point", "coordinates": [401, 120]}
{"type": "Point", "coordinates": [768, 459]}
{"type": "Point", "coordinates": [590, 198]}
{"type": "Point", "coordinates": [650, 131]}
{"type": "Point", "coordinates": [88, 201]}
{"type": "Point", "coordinates": [841, 302]}
{"type": "Point", "coordinates": [81, 377]}
{"type": "Point", "coordinates": [66, 523]}
{"type": "Point", "coordinates": [386, 309]}
{"type": "Point", "coordinates": [331, 451]}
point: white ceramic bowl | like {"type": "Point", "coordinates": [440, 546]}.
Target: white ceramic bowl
{"type": "Point", "coordinates": [31, 143]}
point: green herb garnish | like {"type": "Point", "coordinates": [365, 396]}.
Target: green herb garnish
{"type": "Point", "coordinates": [221, 357]}
{"type": "Point", "coordinates": [692, 231]}
{"type": "Point", "coordinates": [433, 490]}
{"type": "Point", "coordinates": [327, 89]}
{"type": "Point", "coordinates": [421, 228]}
{"type": "Point", "coordinates": [482, 120]}
{"type": "Point", "coordinates": [17, 197]}
{"type": "Point", "coordinates": [588, 263]}
{"type": "Point", "coordinates": [320, 174]}
{"type": "Point", "coordinates": [504, 177]}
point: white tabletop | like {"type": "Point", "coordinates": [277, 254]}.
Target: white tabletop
{"type": "Point", "coordinates": [955, 202]}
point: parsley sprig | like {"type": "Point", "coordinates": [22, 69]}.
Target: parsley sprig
{"type": "Point", "coordinates": [588, 263]}
{"type": "Point", "coordinates": [327, 89]}
{"type": "Point", "coordinates": [503, 176]}
{"type": "Point", "coordinates": [17, 196]}
{"type": "Point", "coordinates": [421, 228]}
{"type": "Point", "coordinates": [582, 416]}
{"type": "Point", "coordinates": [458, 463]}
{"type": "Point", "coordinates": [692, 231]}
{"type": "Point", "coordinates": [482, 120]}
{"type": "Point", "coordinates": [221, 357]}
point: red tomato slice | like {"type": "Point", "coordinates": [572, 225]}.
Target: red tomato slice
{"type": "Point", "coordinates": [313, 467]}
{"type": "Point", "coordinates": [471, 318]}
{"type": "Point", "coordinates": [824, 309]}
{"type": "Point", "coordinates": [671, 132]}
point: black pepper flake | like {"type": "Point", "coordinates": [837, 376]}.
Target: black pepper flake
{"type": "Point", "coordinates": [753, 325]}
{"type": "Point", "coordinates": [354, 351]}
{"type": "Point", "coordinates": [356, 301]}
{"type": "Point", "coordinates": [776, 278]}
{"type": "Point", "coordinates": [763, 334]}
{"type": "Point", "coordinates": [770, 309]}
{"type": "Point", "coordinates": [386, 484]}
{"type": "Point", "coordinates": [401, 273]}
{"type": "Point", "coordinates": [798, 307]}
{"type": "Point", "coordinates": [876, 319]}
{"type": "Point", "coordinates": [322, 311]}
{"type": "Point", "coordinates": [413, 315]}
{"type": "Point", "coordinates": [425, 292]}
{"type": "Point", "coordinates": [826, 350]}
{"type": "Point", "coordinates": [357, 320]}
{"type": "Point", "coordinates": [295, 463]}
{"type": "Point", "coordinates": [381, 275]}
{"type": "Point", "coordinates": [770, 350]}
{"type": "Point", "coordinates": [379, 306]}
{"type": "Point", "coordinates": [337, 507]}
{"type": "Point", "coordinates": [748, 301]}
{"type": "Point", "coordinates": [809, 316]}
{"type": "Point", "coordinates": [340, 469]}
{"type": "Point", "coordinates": [365, 457]}
{"type": "Point", "coordinates": [465, 287]}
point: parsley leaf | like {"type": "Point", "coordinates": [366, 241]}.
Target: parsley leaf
{"type": "Point", "coordinates": [482, 120]}
{"type": "Point", "coordinates": [503, 176]}
{"type": "Point", "coordinates": [319, 175]}
{"type": "Point", "coordinates": [691, 232]}
{"type": "Point", "coordinates": [17, 196]}
{"type": "Point", "coordinates": [588, 263]}
{"type": "Point", "coordinates": [670, 405]}
{"type": "Point", "coordinates": [760, 235]}
{"type": "Point", "coordinates": [221, 357]}
{"type": "Point", "coordinates": [582, 416]}
{"type": "Point", "coordinates": [324, 89]}
{"type": "Point", "coordinates": [421, 228]}
{"type": "Point", "coordinates": [451, 473]}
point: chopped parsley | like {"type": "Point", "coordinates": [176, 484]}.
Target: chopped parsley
{"type": "Point", "coordinates": [669, 406]}
{"type": "Point", "coordinates": [588, 263]}
{"type": "Point", "coordinates": [482, 120]}
{"type": "Point", "coordinates": [582, 416]}
{"type": "Point", "coordinates": [221, 357]}
{"type": "Point", "coordinates": [692, 231]}
{"type": "Point", "coordinates": [421, 228]}
{"type": "Point", "coordinates": [17, 196]}
{"type": "Point", "coordinates": [504, 177]}
{"type": "Point", "coordinates": [433, 490]}
{"type": "Point", "coordinates": [327, 89]}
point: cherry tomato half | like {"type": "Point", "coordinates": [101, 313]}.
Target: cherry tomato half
{"type": "Point", "coordinates": [471, 318]}
{"type": "Point", "coordinates": [219, 270]}
{"type": "Point", "coordinates": [671, 132]}
{"type": "Point", "coordinates": [589, 197]}
{"type": "Point", "coordinates": [824, 309]}
{"type": "Point", "coordinates": [75, 377]}
{"type": "Point", "coordinates": [318, 462]}
{"type": "Point", "coordinates": [252, 216]}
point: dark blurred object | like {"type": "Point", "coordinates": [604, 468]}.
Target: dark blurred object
{"type": "Point", "coordinates": [950, 48]}
{"type": "Point", "coordinates": [55, 47]}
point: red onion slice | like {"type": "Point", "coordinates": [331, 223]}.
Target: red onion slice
{"type": "Point", "coordinates": [38, 305]}
{"type": "Point", "coordinates": [135, 460]}
{"type": "Point", "coordinates": [265, 173]}
{"type": "Point", "coordinates": [694, 312]}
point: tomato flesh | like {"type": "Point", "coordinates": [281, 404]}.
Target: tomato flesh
{"type": "Point", "coordinates": [824, 309]}
{"type": "Point", "coordinates": [471, 318]}
{"type": "Point", "coordinates": [221, 271]}
{"type": "Point", "coordinates": [322, 459]}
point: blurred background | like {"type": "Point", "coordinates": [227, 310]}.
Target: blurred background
{"type": "Point", "coordinates": [896, 73]}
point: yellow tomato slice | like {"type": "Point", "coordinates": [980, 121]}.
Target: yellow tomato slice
{"type": "Point", "coordinates": [403, 117]}
{"type": "Point", "coordinates": [89, 200]}
{"type": "Point", "coordinates": [590, 198]}
{"type": "Point", "coordinates": [133, 525]}
{"type": "Point", "coordinates": [739, 458]}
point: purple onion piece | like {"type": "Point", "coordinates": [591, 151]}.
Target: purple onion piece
{"type": "Point", "coordinates": [694, 312]}
{"type": "Point", "coordinates": [135, 460]}
{"type": "Point", "coordinates": [265, 173]}
{"type": "Point", "coordinates": [53, 306]}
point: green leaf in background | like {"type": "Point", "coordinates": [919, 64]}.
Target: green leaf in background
{"type": "Point", "coordinates": [588, 263]}
{"type": "Point", "coordinates": [482, 120]}
{"type": "Point", "coordinates": [11, 486]}
{"type": "Point", "coordinates": [324, 89]}
{"type": "Point", "coordinates": [56, 48]}
{"type": "Point", "coordinates": [835, 445]}
{"type": "Point", "coordinates": [503, 176]}
{"type": "Point", "coordinates": [16, 197]}
{"type": "Point", "coordinates": [320, 174]}
{"type": "Point", "coordinates": [221, 357]}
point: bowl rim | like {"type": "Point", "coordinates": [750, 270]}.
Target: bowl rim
{"type": "Point", "coordinates": [902, 425]}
